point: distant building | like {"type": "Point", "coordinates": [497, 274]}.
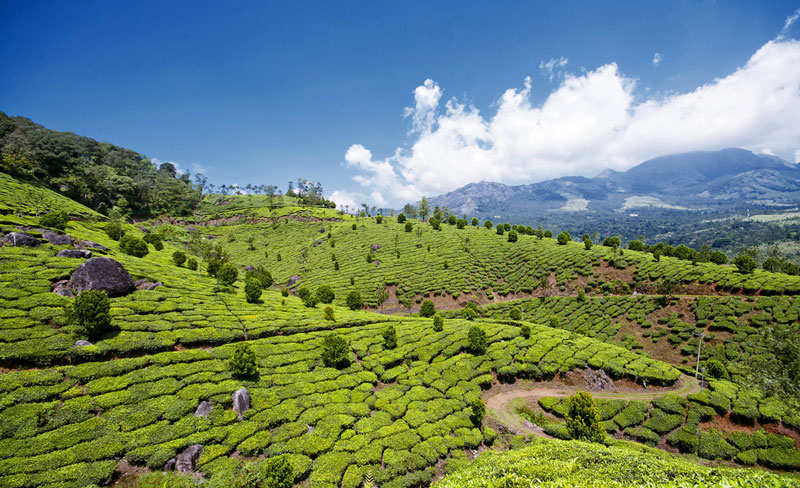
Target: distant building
{"type": "Point", "coordinates": [633, 215]}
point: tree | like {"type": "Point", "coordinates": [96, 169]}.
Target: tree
{"type": "Point", "coordinates": [500, 229]}
{"type": "Point", "coordinates": [243, 362]}
{"type": "Point", "coordinates": [379, 219]}
{"type": "Point", "coordinates": [716, 369]}
{"type": "Point", "coordinates": [354, 301]}
{"type": "Point", "coordinates": [389, 337]}
{"type": "Point", "coordinates": [476, 340]}
{"type": "Point", "coordinates": [252, 290]}
{"type": "Point", "coordinates": [564, 238]}
{"type": "Point", "coordinates": [335, 351]}
{"type": "Point", "coordinates": [179, 257]}
{"type": "Point", "coordinates": [525, 331]}
{"type": "Point", "coordinates": [329, 314]}
{"type": "Point", "coordinates": [718, 257]}
{"type": "Point", "coordinates": [113, 230]}
{"type": "Point", "coordinates": [262, 275]}
{"type": "Point", "coordinates": [409, 226]}
{"type": "Point", "coordinates": [401, 217]}
{"type": "Point", "coordinates": [478, 411]}
{"type": "Point", "coordinates": [475, 221]}
{"type": "Point", "coordinates": [427, 309]}
{"type": "Point", "coordinates": [515, 314]}
{"type": "Point", "coordinates": [636, 246]}
{"type": "Point", "coordinates": [548, 233]}
{"type": "Point", "coordinates": [308, 299]}
{"type": "Point", "coordinates": [424, 209]}
{"type": "Point", "coordinates": [512, 236]}
{"type": "Point", "coordinates": [612, 242]}
{"type": "Point", "coordinates": [583, 419]}
{"type": "Point", "coordinates": [461, 223]}
{"type": "Point", "coordinates": [470, 311]}
{"type": "Point", "coordinates": [90, 314]}
{"type": "Point", "coordinates": [435, 224]}
{"type": "Point", "coordinates": [745, 263]}
{"type": "Point", "coordinates": [776, 373]}
{"type": "Point", "coordinates": [587, 243]}
{"type": "Point", "coordinates": [130, 244]}
{"type": "Point", "coordinates": [56, 219]}
{"type": "Point", "coordinates": [452, 220]}
{"type": "Point", "coordinates": [438, 323]}
{"type": "Point", "coordinates": [191, 264]}
{"type": "Point", "coordinates": [488, 224]}
{"type": "Point", "coordinates": [325, 294]}
{"type": "Point", "coordinates": [228, 274]}
{"type": "Point", "coordinates": [155, 240]}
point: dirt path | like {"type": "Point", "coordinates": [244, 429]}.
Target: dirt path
{"type": "Point", "coordinates": [501, 405]}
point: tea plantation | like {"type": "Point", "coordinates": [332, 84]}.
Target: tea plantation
{"type": "Point", "coordinates": [400, 414]}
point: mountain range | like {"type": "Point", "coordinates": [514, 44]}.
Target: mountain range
{"type": "Point", "coordinates": [726, 180]}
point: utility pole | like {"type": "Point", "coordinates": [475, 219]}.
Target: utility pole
{"type": "Point", "coordinates": [699, 346]}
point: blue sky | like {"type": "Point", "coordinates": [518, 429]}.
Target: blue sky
{"type": "Point", "coordinates": [264, 92]}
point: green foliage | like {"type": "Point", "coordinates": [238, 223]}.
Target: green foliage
{"type": "Point", "coordinates": [191, 264]}
{"type": "Point", "coordinates": [477, 411]}
{"type": "Point", "coordinates": [335, 351]}
{"type": "Point", "coordinates": [427, 309]}
{"type": "Point", "coordinates": [438, 323]}
{"type": "Point", "coordinates": [744, 263]}
{"type": "Point", "coordinates": [583, 419]}
{"type": "Point", "coordinates": [515, 314]}
{"type": "Point", "coordinates": [354, 301]}
{"type": "Point", "coordinates": [309, 300]}
{"type": "Point", "coordinates": [57, 219]}
{"type": "Point", "coordinates": [564, 238]}
{"type": "Point", "coordinates": [500, 229]}
{"type": "Point", "coordinates": [435, 223]}
{"type": "Point", "coordinates": [261, 274]}
{"type": "Point", "coordinates": [488, 224]}
{"type": "Point", "coordinates": [512, 236]}
{"type": "Point", "coordinates": [525, 331]}
{"type": "Point", "coordinates": [475, 221]}
{"type": "Point", "coordinates": [718, 257]}
{"type": "Point", "coordinates": [716, 369]}
{"type": "Point", "coordinates": [389, 337]}
{"type": "Point", "coordinates": [130, 244]}
{"type": "Point", "coordinates": [612, 242]}
{"type": "Point", "coordinates": [379, 219]}
{"type": "Point", "coordinates": [243, 362]}
{"type": "Point", "coordinates": [155, 240]}
{"type": "Point", "coordinates": [636, 246]}
{"type": "Point", "coordinates": [325, 294]}
{"type": "Point", "coordinates": [476, 340]}
{"type": "Point", "coordinates": [329, 314]}
{"type": "Point", "coordinates": [401, 217]}
{"type": "Point", "coordinates": [548, 233]}
{"type": "Point", "coordinates": [409, 226]}
{"type": "Point", "coordinates": [89, 314]}
{"type": "Point", "coordinates": [252, 290]}
{"type": "Point", "coordinates": [587, 244]}
{"type": "Point", "coordinates": [228, 274]}
{"type": "Point", "coordinates": [179, 257]}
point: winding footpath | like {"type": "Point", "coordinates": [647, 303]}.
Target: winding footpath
{"type": "Point", "coordinates": [501, 406]}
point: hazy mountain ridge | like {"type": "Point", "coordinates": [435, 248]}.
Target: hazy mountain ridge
{"type": "Point", "coordinates": [729, 179]}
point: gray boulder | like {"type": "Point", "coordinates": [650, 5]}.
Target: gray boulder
{"type": "Point", "coordinates": [60, 288]}
{"type": "Point", "coordinates": [241, 402]}
{"type": "Point", "coordinates": [74, 253]}
{"type": "Point", "coordinates": [20, 239]}
{"type": "Point", "coordinates": [375, 247]}
{"type": "Point", "coordinates": [80, 243]}
{"type": "Point", "coordinates": [250, 268]}
{"type": "Point", "coordinates": [292, 280]}
{"type": "Point", "coordinates": [322, 230]}
{"type": "Point", "coordinates": [184, 462]}
{"type": "Point", "coordinates": [204, 409]}
{"type": "Point", "coordinates": [101, 274]}
{"type": "Point", "coordinates": [82, 343]}
{"type": "Point", "coordinates": [56, 239]}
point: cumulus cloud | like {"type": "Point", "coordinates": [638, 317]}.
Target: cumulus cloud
{"type": "Point", "coordinates": [591, 121]}
{"type": "Point", "coordinates": [552, 68]}
{"type": "Point", "coordinates": [787, 24]}
{"type": "Point", "coordinates": [657, 57]}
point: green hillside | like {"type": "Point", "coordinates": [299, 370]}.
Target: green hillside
{"type": "Point", "coordinates": [119, 409]}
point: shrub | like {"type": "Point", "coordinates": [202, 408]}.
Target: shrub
{"type": "Point", "coordinates": [583, 418]}
{"type": "Point", "coordinates": [389, 337]}
{"type": "Point", "coordinates": [179, 257]}
{"type": "Point", "coordinates": [308, 299]}
{"type": "Point", "coordinates": [718, 257]}
{"type": "Point", "coordinates": [57, 219]}
{"type": "Point", "coordinates": [515, 314]}
{"type": "Point", "coordinates": [548, 233]}
{"type": "Point", "coordinates": [461, 223]}
{"type": "Point", "coordinates": [113, 230]}
{"type": "Point", "coordinates": [130, 244]}
{"type": "Point", "coordinates": [335, 351]}
{"type": "Point", "coordinates": [478, 411]}
{"type": "Point", "coordinates": [354, 301]}
{"type": "Point", "coordinates": [500, 229]}
{"type": "Point", "coordinates": [713, 446]}
{"type": "Point", "coordinates": [192, 264]}
{"type": "Point", "coordinates": [427, 309]}
{"type": "Point", "coordinates": [155, 240]}
{"type": "Point", "coordinates": [745, 264]}
{"type": "Point", "coordinates": [262, 275]}
{"type": "Point", "coordinates": [252, 290]}
{"type": "Point", "coordinates": [587, 243]}
{"type": "Point", "coordinates": [717, 369]}
{"type": "Point", "coordinates": [475, 221]}
{"type": "Point", "coordinates": [488, 224]}
{"type": "Point", "coordinates": [476, 340]}
{"type": "Point", "coordinates": [409, 227]}
{"type": "Point", "coordinates": [325, 294]}
{"type": "Point", "coordinates": [554, 321]}
{"type": "Point", "coordinates": [438, 323]}
{"type": "Point", "coordinates": [512, 236]}
{"type": "Point", "coordinates": [355, 226]}
{"type": "Point", "coordinates": [379, 219]}
{"type": "Point", "coordinates": [451, 219]}
{"type": "Point", "coordinates": [278, 472]}
{"type": "Point", "coordinates": [284, 292]}
{"type": "Point", "coordinates": [435, 224]}
{"type": "Point", "coordinates": [636, 246]}
{"type": "Point", "coordinates": [243, 362]}
{"type": "Point", "coordinates": [329, 315]}
{"type": "Point", "coordinates": [401, 218]}
{"type": "Point", "coordinates": [89, 314]}
{"type": "Point", "coordinates": [564, 238]}
{"type": "Point", "coordinates": [525, 330]}
{"type": "Point", "coordinates": [611, 242]}
{"type": "Point", "coordinates": [228, 274]}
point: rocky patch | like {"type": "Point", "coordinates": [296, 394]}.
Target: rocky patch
{"type": "Point", "coordinates": [241, 402]}
{"type": "Point", "coordinates": [101, 274]}
{"type": "Point", "coordinates": [17, 239]}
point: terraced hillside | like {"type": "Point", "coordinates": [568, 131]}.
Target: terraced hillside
{"type": "Point", "coordinates": [122, 407]}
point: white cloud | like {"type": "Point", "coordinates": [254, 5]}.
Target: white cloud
{"type": "Point", "coordinates": [657, 57]}
{"type": "Point", "coordinates": [345, 199]}
{"type": "Point", "coordinates": [590, 122]}
{"type": "Point", "coordinates": [551, 68]}
{"type": "Point", "coordinates": [797, 156]}
{"type": "Point", "coordinates": [787, 24]}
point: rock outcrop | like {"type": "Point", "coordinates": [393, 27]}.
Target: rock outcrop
{"type": "Point", "coordinates": [56, 239]}
{"type": "Point", "coordinates": [101, 274]}
{"type": "Point", "coordinates": [82, 343]}
{"type": "Point", "coordinates": [204, 409]}
{"type": "Point", "coordinates": [597, 380]}
{"type": "Point", "coordinates": [82, 244]}
{"type": "Point", "coordinates": [184, 462]}
{"type": "Point", "coordinates": [74, 253]}
{"type": "Point", "coordinates": [241, 402]}
{"type": "Point", "coordinates": [293, 280]}
{"type": "Point", "coordinates": [21, 239]}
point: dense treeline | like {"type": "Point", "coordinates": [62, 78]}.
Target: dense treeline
{"type": "Point", "coordinates": [97, 174]}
